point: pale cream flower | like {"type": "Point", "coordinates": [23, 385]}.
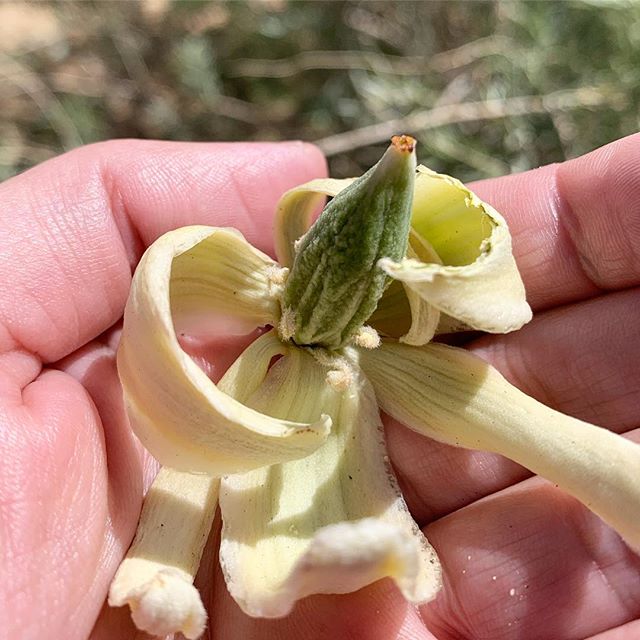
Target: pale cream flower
{"type": "Point", "coordinates": [293, 451]}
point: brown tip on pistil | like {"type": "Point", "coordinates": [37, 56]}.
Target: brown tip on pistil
{"type": "Point", "coordinates": [404, 143]}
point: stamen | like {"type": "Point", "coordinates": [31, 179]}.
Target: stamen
{"type": "Point", "coordinates": [287, 324]}
{"type": "Point", "coordinates": [367, 338]}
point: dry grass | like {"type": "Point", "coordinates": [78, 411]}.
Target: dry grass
{"type": "Point", "coordinates": [486, 87]}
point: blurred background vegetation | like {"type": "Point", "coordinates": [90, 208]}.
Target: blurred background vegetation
{"type": "Point", "coordinates": [487, 87]}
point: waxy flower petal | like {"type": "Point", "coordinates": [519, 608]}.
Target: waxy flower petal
{"type": "Point", "coordinates": [332, 522]}
{"type": "Point", "coordinates": [478, 281]}
{"type": "Point", "coordinates": [175, 409]}
{"type": "Point", "coordinates": [425, 318]}
{"type": "Point", "coordinates": [156, 577]}
{"type": "Point", "coordinates": [455, 397]}
{"type": "Point", "coordinates": [294, 214]}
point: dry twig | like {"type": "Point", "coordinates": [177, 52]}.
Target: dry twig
{"type": "Point", "coordinates": [582, 97]}
{"type": "Point", "coordinates": [21, 76]}
{"type": "Point", "coordinates": [369, 61]}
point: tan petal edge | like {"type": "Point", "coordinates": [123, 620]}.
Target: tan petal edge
{"type": "Point", "coordinates": [329, 523]}
{"type": "Point", "coordinates": [487, 293]}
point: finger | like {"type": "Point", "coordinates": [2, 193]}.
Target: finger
{"type": "Point", "coordinates": [65, 523]}
{"type": "Point", "coordinates": [575, 225]}
{"type": "Point", "coordinates": [377, 612]}
{"type": "Point", "coordinates": [531, 562]}
{"type": "Point", "coordinates": [53, 510]}
{"type": "Point", "coordinates": [581, 360]}
{"type": "Point", "coordinates": [627, 631]}
{"type": "Point", "coordinates": [73, 227]}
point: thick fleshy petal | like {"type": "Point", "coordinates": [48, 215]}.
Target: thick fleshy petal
{"type": "Point", "coordinates": [478, 281]}
{"type": "Point", "coordinates": [215, 273]}
{"type": "Point", "coordinates": [156, 577]}
{"type": "Point", "coordinates": [392, 317]}
{"type": "Point", "coordinates": [455, 397]}
{"type": "Point", "coordinates": [401, 312]}
{"type": "Point", "coordinates": [177, 412]}
{"type": "Point", "coordinates": [329, 523]}
{"type": "Point", "coordinates": [424, 316]}
{"type": "Point", "coordinates": [295, 210]}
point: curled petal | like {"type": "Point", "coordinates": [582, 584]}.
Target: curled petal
{"type": "Point", "coordinates": [424, 320]}
{"type": "Point", "coordinates": [295, 210]}
{"type": "Point", "coordinates": [156, 577]}
{"type": "Point", "coordinates": [393, 315]}
{"type": "Point", "coordinates": [213, 272]}
{"type": "Point", "coordinates": [401, 312]}
{"type": "Point", "coordinates": [478, 281]}
{"type": "Point", "coordinates": [177, 412]}
{"type": "Point", "coordinates": [425, 317]}
{"type": "Point", "coordinates": [332, 522]}
{"type": "Point", "coordinates": [455, 397]}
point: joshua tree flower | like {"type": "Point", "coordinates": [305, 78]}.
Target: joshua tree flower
{"type": "Point", "coordinates": [290, 444]}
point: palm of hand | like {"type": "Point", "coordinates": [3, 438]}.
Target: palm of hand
{"type": "Point", "coordinates": [521, 559]}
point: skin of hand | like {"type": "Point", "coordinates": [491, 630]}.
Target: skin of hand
{"type": "Point", "coordinates": [521, 559]}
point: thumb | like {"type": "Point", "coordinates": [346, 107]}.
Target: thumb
{"type": "Point", "coordinates": [73, 228]}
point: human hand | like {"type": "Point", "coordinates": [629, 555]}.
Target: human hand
{"type": "Point", "coordinates": [72, 477]}
{"type": "Point", "coordinates": [66, 527]}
